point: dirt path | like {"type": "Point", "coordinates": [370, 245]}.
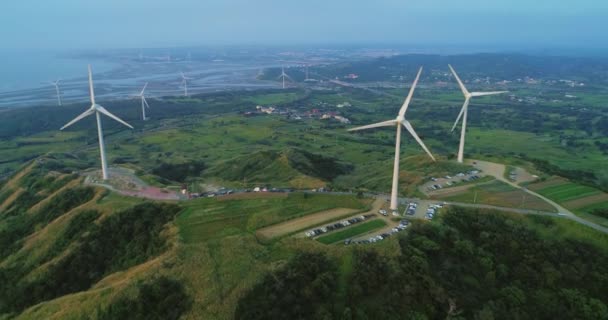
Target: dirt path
{"type": "Point", "coordinates": [290, 226]}
{"type": "Point", "coordinates": [294, 225]}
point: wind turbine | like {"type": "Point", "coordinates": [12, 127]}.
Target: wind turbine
{"type": "Point", "coordinates": [97, 110]}
{"type": "Point", "coordinates": [144, 103]}
{"type": "Point", "coordinates": [284, 76]}
{"type": "Point", "coordinates": [56, 83]}
{"type": "Point", "coordinates": [465, 107]}
{"type": "Point", "coordinates": [398, 122]}
{"type": "Point", "coordinates": [185, 83]}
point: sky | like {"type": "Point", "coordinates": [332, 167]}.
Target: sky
{"type": "Point", "coordinates": [97, 24]}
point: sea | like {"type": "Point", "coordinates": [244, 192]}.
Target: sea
{"type": "Point", "coordinates": [28, 69]}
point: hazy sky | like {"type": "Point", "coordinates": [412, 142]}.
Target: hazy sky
{"type": "Point", "coordinates": [138, 23]}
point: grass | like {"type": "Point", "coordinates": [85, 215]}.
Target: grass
{"type": "Point", "coordinates": [565, 228]}
{"type": "Point", "coordinates": [499, 194]}
{"type": "Point", "coordinates": [352, 231]}
{"type": "Point", "coordinates": [586, 213]}
{"type": "Point", "coordinates": [205, 219]}
{"type": "Point", "coordinates": [567, 191]}
{"type": "Point", "coordinates": [273, 98]}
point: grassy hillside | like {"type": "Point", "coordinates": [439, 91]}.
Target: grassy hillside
{"type": "Point", "coordinates": [294, 168]}
{"type": "Point", "coordinates": [84, 252]}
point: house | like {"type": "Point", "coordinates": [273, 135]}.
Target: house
{"type": "Point", "coordinates": [341, 119]}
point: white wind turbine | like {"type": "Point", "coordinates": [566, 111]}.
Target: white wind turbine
{"type": "Point", "coordinates": [185, 83]}
{"type": "Point", "coordinates": [144, 103]}
{"type": "Point", "coordinates": [284, 76]}
{"type": "Point", "coordinates": [398, 122]}
{"type": "Point", "coordinates": [56, 84]}
{"type": "Point", "coordinates": [463, 112]}
{"type": "Point", "coordinates": [97, 110]}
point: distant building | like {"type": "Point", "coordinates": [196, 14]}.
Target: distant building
{"type": "Point", "coordinates": [342, 119]}
{"type": "Point", "coordinates": [267, 110]}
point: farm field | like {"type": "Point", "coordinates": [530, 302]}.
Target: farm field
{"type": "Point", "coordinates": [204, 219]}
{"type": "Point", "coordinates": [498, 194]}
{"type": "Point", "coordinates": [580, 199]}
{"type": "Point", "coordinates": [352, 231]}
{"type": "Point", "coordinates": [298, 224]}
{"type": "Point", "coordinates": [567, 191]}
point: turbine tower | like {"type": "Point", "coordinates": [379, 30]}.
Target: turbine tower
{"type": "Point", "coordinates": [284, 76]}
{"type": "Point", "coordinates": [97, 110]}
{"type": "Point", "coordinates": [398, 122]}
{"type": "Point", "coordinates": [185, 83]}
{"type": "Point", "coordinates": [463, 112]}
{"type": "Point", "coordinates": [144, 103]}
{"type": "Point", "coordinates": [56, 84]}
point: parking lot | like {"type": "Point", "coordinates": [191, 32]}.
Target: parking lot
{"type": "Point", "coordinates": [449, 181]}
{"type": "Point", "coordinates": [414, 209]}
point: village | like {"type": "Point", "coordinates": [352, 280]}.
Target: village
{"type": "Point", "coordinates": [319, 112]}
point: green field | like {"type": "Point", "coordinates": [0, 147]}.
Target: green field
{"type": "Point", "coordinates": [587, 213]}
{"type": "Point", "coordinates": [205, 219]}
{"type": "Point", "coordinates": [500, 194]}
{"type": "Point", "coordinates": [567, 191]}
{"type": "Point", "coordinates": [353, 231]}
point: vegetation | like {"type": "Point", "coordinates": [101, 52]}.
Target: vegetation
{"type": "Point", "coordinates": [122, 240]}
{"type": "Point", "coordinates": [21, 225]}
{"type": "Point", "coordinates": [470, 266]}
{"type": "Point", "coordinates": [160, 298]}
{"type": "Point", "coordinates": [288, 168]}
{"type": "Point", "coordinates": [179, 172]}
{"type": "Point", "coordinates": [206, 219]}
{"type": "Point", "coordinates": [602, 212]}
{"type": "Point", "coordinates": [567, 191]}
{"type": "Point", "coordinates": [352, 231]}
{"type": "Point", "coordinates": [302, 289]}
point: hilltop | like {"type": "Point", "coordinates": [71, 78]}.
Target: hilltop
{"type": "Point", "coordinates": [291, 167]}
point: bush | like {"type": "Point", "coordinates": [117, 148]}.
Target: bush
{"type": "Point", "coordinates": [179, 172]}
{"type": "Point", "coordinates": [159, 299]}
{"type": "Point", "coordinates": [302, 289]}
{"type": "Point", "coordinates": [123, 240]}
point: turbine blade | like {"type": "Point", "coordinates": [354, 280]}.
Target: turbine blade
{"type": "Point", "coordinates": [406, 103]}
{"type": "Point", "coordinates": [490, 93]}
{"type": "Point", "coordinates": [107, 113]}
{"type": "Point", "coordinates": [464, 106]}
{"type": "Point", "coordinates": [85, 114]}
{"type": "Point", "coordinates": [409, 128]}
{"type": "Point", "coordinates": [144, 89]}
{"type": "Point", "coordinates": [91, 91]}
{"type": "Point", "coordinates": [462, 87]}
{"type": "Point", "coordinates": [146, 102]}
{"type": "Point", "coordinates": [375, 125]}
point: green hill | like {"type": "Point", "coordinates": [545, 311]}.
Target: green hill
{"type": "Point", "coordinates": [290, 167]}
{"type": "Point", "coordinates": [69, 251]}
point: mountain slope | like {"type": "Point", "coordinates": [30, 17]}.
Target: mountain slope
{"type": "Point", "coordinates": [291, 167]}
